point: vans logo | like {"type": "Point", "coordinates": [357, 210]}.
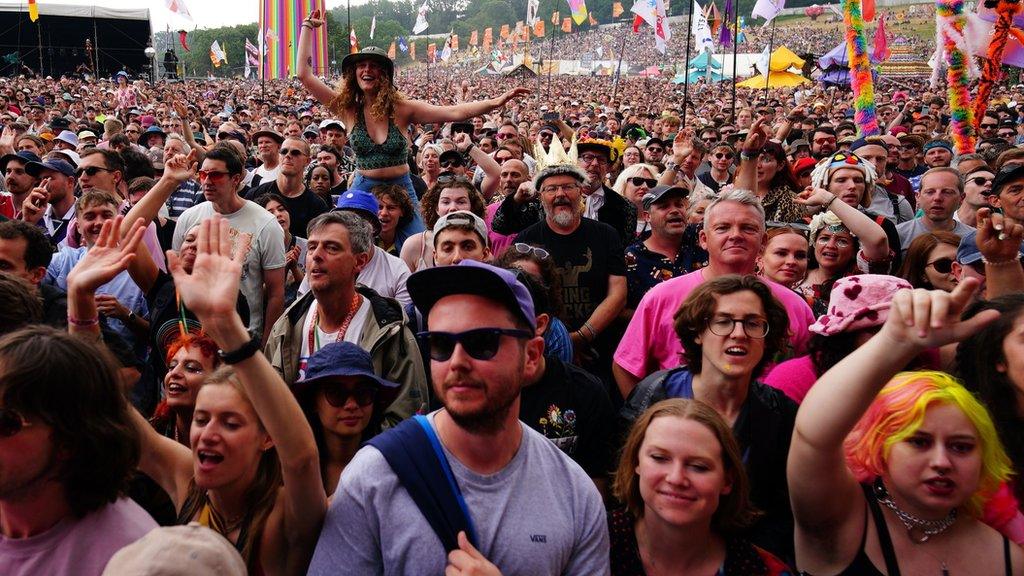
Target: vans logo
{"type": "Point", "coordinates": [539, 538]}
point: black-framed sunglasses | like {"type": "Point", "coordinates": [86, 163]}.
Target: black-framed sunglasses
{"type": "Point", "coordinates": [941, 265]}
{"type": "Point", "coordinates": [980, 180]}
{"type": "Point", "coordinates": [450, 163]}
{"type": "Point", "coordinates": [641, 181]}
{"type": "Point", "coordinates": [481, 343]}
{"type": "Point", "coordinates": [293, 152]}
{"type": "Point", "coordinates": [524, 248]}
{"type": "Point", "coordinates": [337, 396]}
{"type": "Point", "coordinates": [91, 171]}
{"type": "Point", "coordinates": [726, 155]}
{"type": "Point", "coordinates": [11, 422]}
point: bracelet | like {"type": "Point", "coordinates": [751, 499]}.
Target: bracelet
{"type": "Point", "coordinates": [999, 262]}
{"type": "Point", "coordinates": [79, 322]}
{"type": "Point", "coordinates": [593, 333]}
{"type": "Point", "coordinates": [825, 206]}
{"type": "Point", "coordinates": [749, 154]}
{"type": "Point", "coordinates": [306, 24]}
{"type": "Point", "coordinates": [244, 353]}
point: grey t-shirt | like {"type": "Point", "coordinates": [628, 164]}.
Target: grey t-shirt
{"type": "Point", "coordinates": [540, 515]}
{"type": "Point", "coordinates": [914, 228]}
{"type": "Point", "coordinates": [266, 253]}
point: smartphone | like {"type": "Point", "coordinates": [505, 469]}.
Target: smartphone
{"type": "Point", "coordinates": [550, 116]}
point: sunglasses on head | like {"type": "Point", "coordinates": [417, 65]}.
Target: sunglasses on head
{"type": "Point", "coordinates": [11, 422]}
{"type": "Point", "coordinates": [480, 344]}
{"type": "Point", "coordinates": [293, 152]}
{"type": "Point", "coordinates": [641, 181]}
{"type": "Point", "coordinates": [523, 248]}
{"type": "Point", "coordinates": [941, 265]}
{"type": "Point", "coordinates": [337, 395]}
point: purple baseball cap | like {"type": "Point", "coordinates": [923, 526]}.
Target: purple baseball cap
{"type": "Point", "coordinates": [428, 286]}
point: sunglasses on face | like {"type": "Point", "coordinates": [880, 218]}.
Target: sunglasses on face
{"type": "Point", "coordinates": [980, 180]}
{"type": "Point", "coordinates": [11, 422]}
{"type": "Point", "coordinates": [725, 155]}
{"type": "Point", "coordinates": [989, 126]}
{"type": "Point", "coordinates": [211, 175]}
{"type": "Point", "coordinates": [655, 149]}
{"type": "Point", "coordinates": [293, 152]}
{"type": "Point", "coordinates": [523, 248]}
{"type": "Point", "coordinates": [941, 265]}
{"type": "Point", "coordinates": [641, 181]}
{"type": "Point", "coordinates": [480, 344]}
{"type": "Point", "coordinates": [90, 171]}
{"type": "Point", "coordinates": [338, 396]}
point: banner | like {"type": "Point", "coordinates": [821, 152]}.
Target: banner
{"type": "Point", "coordinates": [472, 39]}
{"type": "Point", "coordinates": [567, 25]}
{"type": "Point", "coordinates": [217, 55]}
{"type": "Point", "coordinates": [412, 50]}
{"type": "Point", "coordinates": [617, 9]}
{"type": "Point", "coordinates": [391, 51]}
{"type": "Point", "coordinates": [488, 39]}
{"type": "Point", "coordinates": [280, 23]}
{"type": "Point", "coordinates": [33, 10]}
{"type": "Point", "coordinates": [579, 11]}
{"type": "Point", "coordinates": [252, 57]}
{"type": "Point", "coordinates": [353, 42]}
{"type": "Point", "coordinates": [403, 45]}
{"type": "Point", "coordinates": [556, 18]}
{"type": "Point", "coordinates": [768, 9]}
{"type": "Point", "coordinates": [531, 11]}
{"type": "Point", "coordinates": [504, 34]}
{"type": "Point", "coordinates": [700, 29]}
{"type": "Point", "coordinates": [655, 13]}
{"type": "Point", "coordinates": [421, 19]}
{"type": "Point", "coordinates": [432, 53]}
{"type": "Point", "coordinates": [538, 29]}
{"type": "Point", "coordinates": [455, 42]}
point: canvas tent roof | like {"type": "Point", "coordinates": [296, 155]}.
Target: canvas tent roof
{"type": "Point", "coordinates": [781, 79]}
{"type": "Point", "coordinates": [76, 11]}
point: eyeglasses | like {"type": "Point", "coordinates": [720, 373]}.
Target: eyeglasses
{"type": "Point", "coordinates": [989, 126]}
{"type": "Point", "coordinates": [505, 136]}
{"type": "Point", "coordinates": [641, 181]}
{"type": "Point", "coordinates": [523, 248]}
{"type": "Point", "coordinates": [131, 131]}
{"type": "Point", "coordinates": [91, 171]}
{"type": "Point", "coordinates": [451, 163]}
{"type": "Point", "coordinates": [553, 188]}
{"type": "Point", "coordinates": [839, 242]}
{"type": "Point", "coordinates": [212, 175]}
{"type": "Point", "coordinates": [941, 265]}
{"type": "Point", "coordinates": [721, 155]}
{"type": "Point", "coordinates": [338, 396]}
{"type": "Point", "coordinates": [980, 180]}
{"type": "Point", "coordinates": [753, 326]}
{"type": "Point", "coordinates": [481, 344]}
{"type": "Point", "coordinates": [11, 422]}
{"type": "Point", "coordinates": [293, 152]}
{"type": "Point", "coordinates": [588, 158]}
{"type": "Point", "coordinates": [655, 149]}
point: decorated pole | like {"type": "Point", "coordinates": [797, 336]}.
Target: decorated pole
{"type": "Point", "coordinates": [735, 51]}
{"type": "Point", "coordinates": [950, 23]}
{"type": "Point", "coordinates": [686, 63]}
{"type": "Point", "coordinates": [860, 70]}
{"type": "Point", "coordinates": [1006, 11]}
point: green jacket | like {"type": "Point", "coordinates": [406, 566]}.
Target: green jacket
{"type": "Point", "coordinates": [391, 344]}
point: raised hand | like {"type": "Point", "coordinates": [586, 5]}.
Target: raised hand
{"type": "Point", "coordinates": [814, 197]}
{"type": "Point", "coordinates": [181, 167]}
{"type": "Point", "coordinates": [512, 94]}
{"type": "Point", "coordinates": [682, 145]}
{"type": "Point", "coordinates": [211, 290]}
{"type": "Point", "coordinates": [468, 561]}
{"type": "Point", "coordinates": [34, 206]}
{"type": "Point", "coordinates": [462, 141]}
{"type": "Point", "coordinates": [999, 237]}
{"type": "Point", "coordinates": [931, 318]}
{"type": "Point", "coordinates": [756, 137]}
{"type": "Point", "coordinates": [7, 140]}
{"type": "Point", "coordinates": [315, 19]}
{"type": "Point", "coordinates": [107, 258]}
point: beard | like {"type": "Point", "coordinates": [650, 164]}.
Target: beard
{"type": "Point", "coordinates": [489, 418]}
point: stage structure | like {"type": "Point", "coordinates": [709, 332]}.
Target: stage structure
{"type": "Point", "coordinates": [74, 39]}
{"type": "Point", "coordinates": [280, 24]}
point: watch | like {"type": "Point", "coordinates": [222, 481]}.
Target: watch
{"type": "Point", "coordinates": [244, 353]}
{"type": "Point", "coordinates": [670, 165]}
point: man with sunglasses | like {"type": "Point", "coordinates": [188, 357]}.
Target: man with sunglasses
{"type": "Point", "coordinates": [719, 167]}
{"type": "Point", "coordinates": [977, 192]}
{"type": "Point", "coordinates": [302, 204]}
{"type": "Point", "coordinates": [654, 150]}
{"type": "Point", "coordinates": [263, 271]}
{"type": "Point", "coordinates": [536, 513]}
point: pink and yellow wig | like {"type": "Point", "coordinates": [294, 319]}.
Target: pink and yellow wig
{"type": "Point", "coordinates": [897, 413]}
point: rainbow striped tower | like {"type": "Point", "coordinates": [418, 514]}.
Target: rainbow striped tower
{"type": "Point", "coordinates": [280, 24]}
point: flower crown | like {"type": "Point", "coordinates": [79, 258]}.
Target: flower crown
{"type": "Point", "coordinates": [823, 171]}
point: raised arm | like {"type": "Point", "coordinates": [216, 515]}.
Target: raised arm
{"type": "Point", "coordinates": [746, 175]}
{"type": "Point", "coordinates": [492, 170]}
{"type": "Point", "coordinates": [210, 292]}
{"type": "Point", "coordinates": [682, 147]}
{"type": "Point", "coordinates": [421, 112]}
{"type": "Point", "coordinates": [824, 493]}
{"type": "Point", "coordinates": [322, 92]}
{"type": "Point", "coordinates": [873, 241]}
{"type": "Point", "coordinates": [999, 239]}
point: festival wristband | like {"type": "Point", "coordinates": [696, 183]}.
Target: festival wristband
{"type": "Point", "coordinates": [85, 323]}
{"type": "Point", "coordinates": [244, 353]}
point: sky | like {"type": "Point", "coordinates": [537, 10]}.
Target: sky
{"type": "Point", "coordinates": [206, 13]}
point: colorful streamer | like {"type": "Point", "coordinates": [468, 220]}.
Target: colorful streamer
{"type": "Point", "coordinates": [280, 24]}
{"type": "Point", "coordinates": [860, 70]}
{"type": "Point", "coordinates": [950, 23]}
{"type": "Point", "coordinates": [1006, 11]}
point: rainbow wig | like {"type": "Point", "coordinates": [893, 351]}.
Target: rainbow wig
{"type": "Point", "coordinates": [897, 413]}
{"type": "Point", "coordinates": [950, 24]}
{"type": "Point", "coordinates": [860, 70]}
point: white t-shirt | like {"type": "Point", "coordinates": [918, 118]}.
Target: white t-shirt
{"type": "Point", "coordinates": [352, 334]}
{"type": "Point", "coordinates": [386, 274]}
{"type": "Point", "coordinates": [264, 174]}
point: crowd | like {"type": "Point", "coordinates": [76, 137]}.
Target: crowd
{"type": "Point", "coordinates": [476, 327]}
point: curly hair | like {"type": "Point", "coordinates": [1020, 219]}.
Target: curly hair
{"type": "Point", "coordinates": [350, 96]}
{"type": "Point", "coordinates": [428, 204]}
{"type": "Point", "coordinates": [399, 195]}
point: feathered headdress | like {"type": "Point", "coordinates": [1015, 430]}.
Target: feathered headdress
{"type": "Point", "coordinates": [823, 171]}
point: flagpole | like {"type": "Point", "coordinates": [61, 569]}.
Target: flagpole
{"type": "Point", "coordinates": [618, 67]}
{"type": "Point", "coordinates": [771, 47]}
{"type": "Point", "coordinates": [686, 63]}
{"type": "Point", "coordinates": [263, 55]}
{"type": "Point", "coordinates": [735, 50]}
{"type": "Point", "coordinates": [551, 41]}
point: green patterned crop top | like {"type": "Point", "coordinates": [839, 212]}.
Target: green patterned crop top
{"type": "Point", "coordinates": [394, 151]}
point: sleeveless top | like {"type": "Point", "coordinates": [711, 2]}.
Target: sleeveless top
{"type": "Point", "coordinates": [209, 518]}
{"type": "Point", "coordinates": [394, 151]}
{"type": "Point", "coordinates": [861, 564]}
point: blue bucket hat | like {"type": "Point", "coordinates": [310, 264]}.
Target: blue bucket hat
{"type": "Point", "coordinates": [362, 203]}
{"type": "Point", "coordinates": [341, 359]}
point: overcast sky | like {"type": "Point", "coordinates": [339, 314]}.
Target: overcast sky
{"type": "Point", "coordinates": [206, 13]}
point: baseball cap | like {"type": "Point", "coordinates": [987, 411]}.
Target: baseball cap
{"type": "Point", "coordinates": [462, 217]}
{"type": "Point", "coordinates": [55, 164]}
{"type": "Point", "coordinates": [324, 125]}
{"type": "Point", "coordinates": [191, 550]}
{"type": "Point", "coordinates": [340, 359]}
{"type": "Point", "coordinates": [661, 191]}
{"type": "Point", "coordinates": [428, 286]}
{"type": "Point", "coordinates": [363, 203]}
{"type": "Point", "coordinates": [24, 156]}
{"type": "Point", "coordinates": [1006, 175]}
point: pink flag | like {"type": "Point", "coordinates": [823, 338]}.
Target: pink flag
{"type": "Point", "coordinates": [881, 52]}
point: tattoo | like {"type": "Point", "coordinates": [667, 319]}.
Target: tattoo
{"type": "Point", "coordinates": [309, 61]}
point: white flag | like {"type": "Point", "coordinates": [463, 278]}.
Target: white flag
{"type": "Point", "coordinates": [446, 52]}
{"type": "Point", "coordinates": [421, 20]}
{"type": "Point", "coordinates": [531, 11]}
{"type": "Point", "coordinates": [768, 9]}
{"type": "Point", "coordinates": [373, 26]}
{"type": "Point", "coordinates": [654, 13]}
{"type": "Point", "coordinates": [763, 61]}
{"type": "Point", "coordinates": [179, 8]}
{"type": "Point", "coordinates": [218, 52]}
{"type": "Point", "coordinates": [700, 29]}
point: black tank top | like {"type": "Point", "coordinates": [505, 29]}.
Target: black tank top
{"type": "Point", "coordinates": [861, 564]}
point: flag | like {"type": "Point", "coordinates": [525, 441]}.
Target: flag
{"type": "Point", "coordinates": [768, 9]}
{"type": "Point", "coordinates": [217, 54]}
{"type": "Point", "coordinates": [655, 13]}
{"type": "Point", "coordinates": [421, 19]}
{"type": "Point", "coordinates": [179, 8]}
{"type": "Point", "coordinates": [373, 26]}
{"type": "Point", "coordinates": [33, 10]}
{"type": "Point", "coordinates": [881, 51]}
{"type": "Point", "coordinates": [538, 29]}
{"type": "Point", "coordinates": [725, 35]}
{"type": "Point", "coordinates": [432, 52]}
{"type": "Point", "coordinates": [182, 35]}
{"type": "Point", "coordinates": [867, 10]}
{"type": "Point", "coordinates": [280, 24]}
{"type": "Point", "coordinates": [713, 17]}
{"type": "Point", "coordinates": [591, 20]}
{"type": "Point", "coordinates": [567, 25]}
{"type": "Point", "coordinates": [763, 61]}
{"type": "Point", "coordinates": [473, 39]}
{"type": "Point", "coordinates": [617, 9]}
{"type": "Point", "coordinates": [412, 50]}
{"type": "Point", "coordinates": [391, 51]}
{"type": "Point", "coordinates": [455, 42]}
{"type": "Point", "coordinates": [353, 42]}
{"type": "Point", "coordinates": [531, 11]}
{"type": "Point", "coordinates": [403, 45]}
{"type": "Point", "coordinates": [504, 33]}
{"type": "Point", "coordinates": [700, 29]}
{"type": "Point", "coordinates": [446, 52]}
{"type": "Point", "coordinates": [579, 11]}
{"type": "Point", "coordinates": [252, 56]}
{"type": "Point", "coordinates": [488, 39]}
{"type": "Point", "coordinates": [556, 18]}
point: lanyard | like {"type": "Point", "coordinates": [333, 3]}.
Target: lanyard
{"type": "Point", "coordinates": [314, 336]}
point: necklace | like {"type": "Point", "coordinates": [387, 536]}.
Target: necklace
{"type": "Point", "coordinates": [314, 337]}
{"type": "Point", "coordinates": [919, 530]}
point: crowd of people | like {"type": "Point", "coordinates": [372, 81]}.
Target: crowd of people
{"type": "Point", "coordinates": [386, 325]}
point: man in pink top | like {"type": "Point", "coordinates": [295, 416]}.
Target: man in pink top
{"type": "Point", "coordinates": [733, 235]}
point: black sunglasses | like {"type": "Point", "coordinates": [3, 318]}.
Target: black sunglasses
{"type": "Point", "coordinates": [338, 396]}
{"type": "Point", "coordinates": [726, 155]}
{"type": "Point", "coordinates": [11, 422]}
{"type": "Point", "coordinates": [980, 180]}
{"type": "Point", "coordinates": [293, 152]}
{"type": "Point", "coordinates": [640, 180]}
{"type": "Point", "coordinates": [449, 163]}
{"type": "Point", "coordinates": [91, 171]}
{"type": "Point", "coordinates": [941, 265]}
{"type": "Point", "coordinates": [481, 344]}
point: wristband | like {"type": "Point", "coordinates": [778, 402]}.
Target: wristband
{"type": "Point", "coordinates": [79, 322]}
{"type": "Point", "coordinates": [825, 206]}
{"type": "Point", "coordinates": [593, 333]}
{"type": "Point", "coordinates": [749, 154]}
{"type": "Point", "coordinates": [999, 262]}
{"type": "Point", "coordinates": [244, 353]}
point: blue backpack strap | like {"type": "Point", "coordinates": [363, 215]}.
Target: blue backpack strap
{"type": "Point", "coordinates": [414, 453]}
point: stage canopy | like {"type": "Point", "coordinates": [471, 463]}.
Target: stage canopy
{"type": "Point", "coordinates": [56, 43]}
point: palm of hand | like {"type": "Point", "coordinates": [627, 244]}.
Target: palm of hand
{"type": "Point", "coordinates": [99, 266]}
{"type": "Point", "coordinates": [212, 288]}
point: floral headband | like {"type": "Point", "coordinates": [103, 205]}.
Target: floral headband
{"type": "Point", "coordinates": [823, 171]}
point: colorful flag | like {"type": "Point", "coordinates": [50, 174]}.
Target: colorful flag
{"type": "Point", "coordinates": [217, 55]}
{"type": "Point", "coordinates": [421, 19]}
{"type": "Point", "coordinates": [538, 29]}
{"type": "Point", "coordinates": [488, 39]}
{"type": "Point", "coordinates": [455, 42]}
{"type": "Point", "coordinates": [700, 29]}
{"type": "Point", "coordinates": [373, 26]}
{"type": "Point", "coordinates": [579, 11]}
{"type": "Point", "coordinates": [33, 10]}
{"type": "Point", "coordinates": [446, 52]}
{"type": "Point", "coordinates": [531, 11]}
{"type": "Point", "coordinates": [403, 45]}
{"type": "Point", "coordinates": [182, 35]}
{"type": "Point", "coordinates": [412, 50]}
{"type": "Point", "coordinates": [881, 51]}
{"type": "Point", "coordinates": [353, 42]}
{"type": "Point", "coordinates": [725, 34]}
{"type": "Point", "coordinates": [567, 25]}
{"type": "Point", "coordinates": [556, 18]}
{"type": "Point", "coordinates": [473, 39]}
{"type": "Point", "coordinates": [617, 9]}
{"type": "Point", "coordinates": [655, 13]}
{"type": "Point", "coordinates": [179, 8]}
{"type": "Point", "coordinates": [432, 53]}
{"type": "Point", "coordinates": [867, 10]}
{"type": "Point", "coordinates": [768, 9]}
{"type": "Point", "coordinates": [504, 33]}
{"type": "Point", "coordinates": [713, 17]}
{"type": "Point", "coordinates": [391, 51]}
{"type": "Point", "coordinates": [280, 24]}
{"type": "Point", "coordinates": [252, 53]}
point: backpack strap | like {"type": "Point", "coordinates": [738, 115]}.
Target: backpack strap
{"type": "Point", "coordinates": [414, 453]}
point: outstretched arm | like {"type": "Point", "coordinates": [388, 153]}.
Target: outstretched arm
{"type": "Point", "coordinates": [421, 112]}
{"type": "Point", "coordinates": [316, 87]}
{"type": "Point", "coordinates": [999, 239]}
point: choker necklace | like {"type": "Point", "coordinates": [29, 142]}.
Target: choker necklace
{"type": "Point", "coordinates": [918, 529]}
